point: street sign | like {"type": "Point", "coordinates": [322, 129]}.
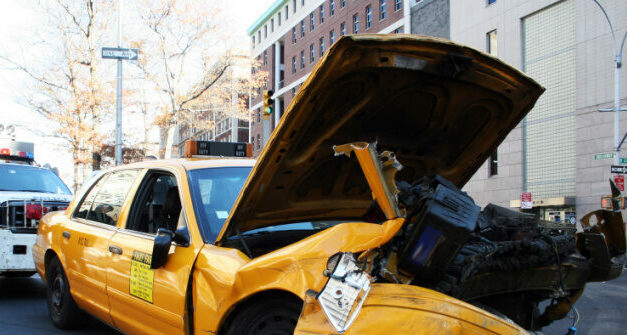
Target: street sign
{"type": "Point", "coordinates": [525, 201]}
{"type": "Point", "coordinates": [605, 155]}
{"type": "Point", "coordinates": [120, 53]}
{"type": "Point", "coordinates": [619, 180]}
{"type": "Point", "coordinates": [623, 160]}
{"type": "Point", "coordinates": [619, 169]}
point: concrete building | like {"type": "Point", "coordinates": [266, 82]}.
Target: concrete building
{"type": "Point", "coordinates": [289, 38]}
{"type": "Point", "coordinates": [566, 46]}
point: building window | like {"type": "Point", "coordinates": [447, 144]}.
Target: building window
{"type": "Point", "coordinates": [331, 37]}
{"type": "Point", "coordinates": [265, 31]}
{"type": "Point", "coordinates": [398, 4]}
{"type": "Point", "coordinates": [294, 64]}
{"type": "Point", "coordinates": [253, 41]}
{"type": "Point", "coordinates": [302, 3]}
{"type": "Point", "coordinates": [279, 17]}
{"type": "Point", "coordinates": [382, 5]}
{"type": "Point", "coordinates": [322, 13]}
{"type": "Point", "coordinates": [342, 3]}
{"type": "Point", "coordinates": [293, 6]}
{"type": "Point", "coordinates": [302, 59]}
{"type": "Point", "coordinates": [293, 35]}
{"type": "Point", "coordinates": [343, 28]}
{"type": "Point", "coordinates": [368, 17]}
{"type": "Point", "coordinates": [321, 46]}
{"type": "Point", "coordinates": [355, 24]}
{"type": "Point", "coordinates": [265, 57]}
{"type": "Point", "coordinates": [258, 141]}
{"type": "Point", "coordinates": [491, 2]}
{"type": "Point", "coordinates": [258, 116]}
{"type": "Point", "coordinates": [493, 168]}
{"type": "Point", "coordinates": [302, 28]}
{"type": "Point", "coordinates": [311, 53]}
{"type": "Point", "coordinates": [398, 30]}
{"type": "Point", "coordinates": [332, 7]}
{"type": "Point", "coordinates": [491, 43]}
{"type": "Point", "coordinates": [271, 25]}
{"type": "Point", "coordinates": [312, 21]}
{"type": "Point", "coordinates": [259, 36]}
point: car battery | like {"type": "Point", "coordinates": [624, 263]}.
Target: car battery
{"type": "Point", "coordinates": [443, 225]}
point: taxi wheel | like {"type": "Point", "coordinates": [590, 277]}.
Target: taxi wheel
{"type": "Point", "coordinates": [62, 309]}
{"type": "Point", "coordinates": [267, 317]}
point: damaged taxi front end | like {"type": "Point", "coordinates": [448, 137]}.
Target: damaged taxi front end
{"type": "Point", "coordinates": [372, 153]}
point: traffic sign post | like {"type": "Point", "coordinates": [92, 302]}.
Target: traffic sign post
{"type": "Point", "coordinates": [120, 53]}
{"type": "Point", "coordinates": [618, 169]}
{"type": "Point", "coordinates": [619, 180]}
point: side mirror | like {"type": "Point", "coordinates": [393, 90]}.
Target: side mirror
{"type": "Point", "coordinates": [163, 241]}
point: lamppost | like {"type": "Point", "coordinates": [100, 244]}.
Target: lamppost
{"type": "Point", "coordinates": [618, 55]}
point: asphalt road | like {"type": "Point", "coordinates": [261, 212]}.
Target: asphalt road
{"type": "Point", "coordinates": [23, 310]}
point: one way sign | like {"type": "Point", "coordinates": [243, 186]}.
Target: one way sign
{"type": "Point", "coordinates": [619, 169]}
{"type": "Point", "coordinates": [120, 53]}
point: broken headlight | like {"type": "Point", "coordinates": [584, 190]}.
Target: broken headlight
{"type": "Point", "coordinates": [345, 291]}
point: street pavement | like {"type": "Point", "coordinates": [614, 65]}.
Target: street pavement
{"type": "Point", "coordinates": [23, 310]}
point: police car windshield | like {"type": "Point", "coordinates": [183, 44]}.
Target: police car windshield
{"type": "Point", "coordinates": [214, 191]}
{"type": "Point", "coordinates": [24, 178]}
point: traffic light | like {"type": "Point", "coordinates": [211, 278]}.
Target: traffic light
{"type": "Point", "coordinates": [268, 103]}
{"type": "Point", "coordinates": [606, 202]}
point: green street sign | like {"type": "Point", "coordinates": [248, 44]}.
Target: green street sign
{"type": "Point", "coordinates": [623, 160]}
{"type": "Point", "coordinates": [605, 155]}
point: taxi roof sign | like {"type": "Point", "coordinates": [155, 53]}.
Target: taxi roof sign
{"type": "Point", "coordinates": [220, 149]}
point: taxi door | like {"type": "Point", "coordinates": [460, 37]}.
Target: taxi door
{"type": "Point", "coordinates": [145, 300]}
{"type": "Point", "coordinates": [85, 240]}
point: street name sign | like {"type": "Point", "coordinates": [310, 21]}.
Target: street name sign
{"type": "Point", "coordinates": [605, 155]}
{"type": "Point", "coordinates": [619, 169]}
{"type": "Point", "coordinates": [623, 160]}
{"type": "Point", "coordinates": [120, 53]}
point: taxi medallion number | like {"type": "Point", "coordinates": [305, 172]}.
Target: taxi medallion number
{"type": "Point", "coordinates": [142, 276]}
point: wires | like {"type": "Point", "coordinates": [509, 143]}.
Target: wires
{"type": "Point", "coordinates": [572, 330]}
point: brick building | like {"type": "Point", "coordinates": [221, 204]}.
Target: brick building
{"type": "Point", "coordinates": [289, 38]}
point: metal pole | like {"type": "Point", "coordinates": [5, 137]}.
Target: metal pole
{"type": "Point", "coordinates": [118, 111]}
{"type": "Point", "coordinates": [618, 50]}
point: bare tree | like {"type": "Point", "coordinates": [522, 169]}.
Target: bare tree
{"type": "Point", "coordinates": [187, 58]}
{"type": "Point", "coordinates": [67, 88]}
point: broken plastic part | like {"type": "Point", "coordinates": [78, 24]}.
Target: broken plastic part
{"type": "Point", "coordinates": [379, 171]}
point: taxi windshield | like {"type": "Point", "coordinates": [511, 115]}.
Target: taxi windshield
{"type": "Point", "coordinates": [24, 178]}
{"type": "Point", "coordinates": [214, 191]}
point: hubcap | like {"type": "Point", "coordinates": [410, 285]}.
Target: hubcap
{"type": "Point", "coordinates": [57, 293]}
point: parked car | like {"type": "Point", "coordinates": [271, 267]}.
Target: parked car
{"type": "Point", "coordinates": [351, 220]}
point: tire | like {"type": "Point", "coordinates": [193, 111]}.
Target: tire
{"type": "Point", "coordinates": [270, 316]}
{"type": "Point", "coordinates": [62, 309]}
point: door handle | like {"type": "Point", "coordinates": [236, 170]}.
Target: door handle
{"type": "Point", "coordinates": [115, 249]}
{"type": "Point", "coordinates": [66, 234]}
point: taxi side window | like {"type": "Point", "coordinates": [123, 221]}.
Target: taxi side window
{"type": "Point", "coordinates": [157, 204]}
{"type": "Point", "coordinates": [104, 201]}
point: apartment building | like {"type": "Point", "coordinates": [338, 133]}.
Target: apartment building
{"type": "Point", "coordinates": [554, 153]}
{"type": "Point", "coordinates": [291, 36]}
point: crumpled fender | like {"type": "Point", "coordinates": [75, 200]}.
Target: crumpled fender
{"type": "Point", "coordinates": [406, 309]}
{"type": "Point", "coordinates": [223, 277]}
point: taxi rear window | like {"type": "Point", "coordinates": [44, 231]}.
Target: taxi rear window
{"type": "Point", "coordinates": [214, 190]}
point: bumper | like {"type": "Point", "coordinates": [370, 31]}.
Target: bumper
{"type": "Point", "coordinates": [405, 309]}
{"type": "Point", "coordinates": [16, 252]}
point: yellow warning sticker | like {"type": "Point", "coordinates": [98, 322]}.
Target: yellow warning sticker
{"type": "Point", "coordinates": [142, 276]}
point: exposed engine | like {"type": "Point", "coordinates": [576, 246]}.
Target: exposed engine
{"type": "Point", "coordinates": [501, 260]}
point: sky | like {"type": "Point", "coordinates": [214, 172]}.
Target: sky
{"type": "Point", "coordinates": [15, 21]}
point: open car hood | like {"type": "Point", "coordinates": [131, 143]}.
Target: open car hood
{"type": "Point", "coordinates": [442, 108]}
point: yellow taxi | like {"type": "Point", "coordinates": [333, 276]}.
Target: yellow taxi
{"type": "Point", "coordinates": [317, 236]}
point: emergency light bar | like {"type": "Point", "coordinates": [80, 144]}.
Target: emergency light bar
{"type": "Point", "coordinates": [220, 149]}
{"type": "Point", "coordinates": [16, 151]}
